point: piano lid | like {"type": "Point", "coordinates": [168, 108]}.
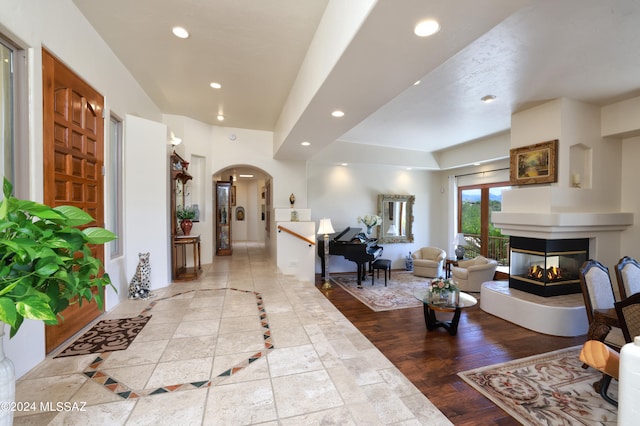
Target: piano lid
{"type": "Point", "coordinates": [346, 235]}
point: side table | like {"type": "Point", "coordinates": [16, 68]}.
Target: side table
{"type": "Point", "coordinates": [447, 266]}
{"type": "Point", "coordinates": [182, 272]}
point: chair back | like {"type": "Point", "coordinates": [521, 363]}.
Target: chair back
{"type": "Point", "coordinates": [597, 288]}
{"type": "Point", "coordinates": [628, 311]}
{"type": "Point", "coordinates": [628, 277]}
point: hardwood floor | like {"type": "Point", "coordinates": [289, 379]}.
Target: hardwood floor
{"type": "Point", "coordinates": [432, 359]}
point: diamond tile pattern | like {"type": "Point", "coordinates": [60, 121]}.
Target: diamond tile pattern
{"type": "Point", "coordinates": [211, 355]}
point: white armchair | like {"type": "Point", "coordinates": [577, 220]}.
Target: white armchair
{"type": "Point", "coordinates": [470, 274]}
{"type": "Point", "coordinates": [429, 262]}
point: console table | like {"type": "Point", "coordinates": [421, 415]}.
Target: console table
{"type": "Point", "coordinates": [182, 271]}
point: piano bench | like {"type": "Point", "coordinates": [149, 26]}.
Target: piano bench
{"type": "Point", "coordinates": [381, 264]}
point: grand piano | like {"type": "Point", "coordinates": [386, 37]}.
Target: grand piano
{"type": "Point", "coordinates": [354, 246]}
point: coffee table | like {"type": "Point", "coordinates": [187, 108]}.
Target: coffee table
{"type": "Point", "coordinates": [466, 301]}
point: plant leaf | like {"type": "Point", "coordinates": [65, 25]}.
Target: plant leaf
{"type": "Point", "coordinates": [35, 307]}
{"type": "Point", "coordinates": [75, 216]}
{"type": "Point", "coordinates": [98, 235]}
{"type": "Point", "coordinates": [7, 311]}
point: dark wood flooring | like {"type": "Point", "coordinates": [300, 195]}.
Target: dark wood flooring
{"type": "Point", "coordinates": [431, 359]}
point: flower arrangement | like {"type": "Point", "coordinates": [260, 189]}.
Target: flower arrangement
{"type": "Point", "coordinates": [370, 220]}
{"type": "Point", "coordinates": [441, 285]}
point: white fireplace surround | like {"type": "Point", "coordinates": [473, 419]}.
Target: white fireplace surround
{"type": "Point", "coordinates": [560, 225]}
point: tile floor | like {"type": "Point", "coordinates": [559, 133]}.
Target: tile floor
{"type": "Point", "coordinates": [242, 345]}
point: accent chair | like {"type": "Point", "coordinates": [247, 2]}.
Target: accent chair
{"type": "Point", "coordinates": [628, 276]}
{"type": "Point", "coordinates": [470, 274]}
{"type": "Point", "coordinates": [429, 262]}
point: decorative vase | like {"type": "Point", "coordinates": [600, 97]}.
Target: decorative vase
{"type": "Point", "coordinates": [7, 383]}
{"type": "Point", "coordinates": [186, 225]}
{"type": "Point", "coordinates": [369, 229]}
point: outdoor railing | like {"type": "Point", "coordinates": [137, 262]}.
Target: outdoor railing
{"type": "Point", "coordinates": [498, 248]}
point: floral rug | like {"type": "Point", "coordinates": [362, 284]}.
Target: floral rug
{"type": "Point", "coordinates": [107, 336]}
{"type": "Point", "coordinates": [548, 389]}
{"type": "Point", "coordinates": [398, 294]}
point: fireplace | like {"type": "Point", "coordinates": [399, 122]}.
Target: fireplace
{"type": "Point", "coordinates": [547, 267]}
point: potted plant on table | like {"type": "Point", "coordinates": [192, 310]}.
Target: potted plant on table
{"type": "Point", "coordinates": [45, 265]}
{"type": "Point", "coordinates": [186, 214]}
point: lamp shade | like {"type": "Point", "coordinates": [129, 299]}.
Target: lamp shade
{"type": "Point", "coordinates": [325, 226]}
{"type": "Point", "coordinates": [392, 230]}
{"type": "Point", "coordinates": [460, 241]}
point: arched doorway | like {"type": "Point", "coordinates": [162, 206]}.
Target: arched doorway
{"type": "Point", "coordinates": [250, 203]}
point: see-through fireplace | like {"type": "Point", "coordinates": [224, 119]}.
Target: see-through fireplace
{"type": "Point", "coordinates": [547, 267]}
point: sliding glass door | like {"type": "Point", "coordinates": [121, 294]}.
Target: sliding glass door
{"type": "Point", "coordinates": [474, 220]}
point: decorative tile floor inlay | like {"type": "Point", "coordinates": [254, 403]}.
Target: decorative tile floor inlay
{"type": "Point", "coordinates": [93, 371]}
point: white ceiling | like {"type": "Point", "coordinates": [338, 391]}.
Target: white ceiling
{"type": "Point", "coordinates": [523, 51]}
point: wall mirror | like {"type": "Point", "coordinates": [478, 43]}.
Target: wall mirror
{"type": "Point", "coordinates": [397, 218]}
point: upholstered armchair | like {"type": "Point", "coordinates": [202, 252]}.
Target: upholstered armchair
{"type": "Point", "coordinates": [470, 274]}
{"type": "Point", "coordinates": [429, 262]}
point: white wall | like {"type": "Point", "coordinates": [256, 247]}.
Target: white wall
{"type": "Point", "coordinates": [250, 147]}
{"type": "Point", "coordinates": [344, 193]}
{"type": "Point", "coordinates": [630, 244]}
{"type": "Point", "coordinates": [147, 202]}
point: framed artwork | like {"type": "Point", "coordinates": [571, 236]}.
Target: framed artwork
{"type": "Point", "coordinates": [239, 214]}
{"type": "Point", "coordinates": [233, 195]}
{"type": "Point", "coordinates": [534, 164]}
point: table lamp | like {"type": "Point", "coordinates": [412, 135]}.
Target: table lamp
{"type": "Point", "coordinates": [326, 228]}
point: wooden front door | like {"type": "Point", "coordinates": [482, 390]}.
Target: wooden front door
{"type": "Point", "coordinates": [73, 158]}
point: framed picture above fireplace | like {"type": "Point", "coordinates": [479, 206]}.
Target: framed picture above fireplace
{"type": "Point", "coordinates": [534, 164]}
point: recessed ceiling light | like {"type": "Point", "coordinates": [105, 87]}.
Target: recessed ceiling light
{"type": "Point", "coordinates": [220, 117]}
{"type": "Point", "coordinates": [180, 32]}
{"type": "Point", "coordinates": [215, 85]}
{"type": "Point", "coordinates": [305, 143]}
{"type": "Point", "coordinates": [426, 28]}
{"type": "Point", "coordinates": [344, 164]}
{"type": "Point", "coordinates": [337, 113]}
{"type": "Point", "coordinates": [487, 99]}
{"type": "Point", "coordinates": [408, 168]}
{"type": "Point", "coordinates": [246, 176]}
{"type": "Point", "coordinates": [417, 82]}
{"type": "Point", "coordinates": [476, 164]}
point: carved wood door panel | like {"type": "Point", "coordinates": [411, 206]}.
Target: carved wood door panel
{"type": "Point", "coordinates": [73, 130]}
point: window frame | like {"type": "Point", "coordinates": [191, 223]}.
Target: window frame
{"type": "Point", "coordinates": [484, 211]}
{"type": "Point", "coordinates": [18, 105]}
{"type": "Point", "coordinates": [115, 184]}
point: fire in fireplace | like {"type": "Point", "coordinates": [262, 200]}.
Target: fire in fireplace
{"type": "Point", "coordinates": [547, 267]}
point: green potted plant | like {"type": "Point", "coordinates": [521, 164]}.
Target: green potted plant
{"type": "Point", "coordinates": [45, 260]}
{"type": "Point", "coordinates": [45, 265]}
{"type": "Point", "coordinates": [186, 214]}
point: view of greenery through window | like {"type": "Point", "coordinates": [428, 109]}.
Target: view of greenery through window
{"type": "Point", "coordinates": [476, 205]}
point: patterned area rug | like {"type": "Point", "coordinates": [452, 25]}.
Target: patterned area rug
{"type": "Point", "coordinates": [107, 336]}
{"type": "Point", "coordinates": [549, 389]}
{"type": "Point", "coordinates": [398, 294]}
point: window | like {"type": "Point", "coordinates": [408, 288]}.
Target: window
{"type": "Point", "coordinates": [476, 204]}
{"type": "Point", "coordinates": [13, 107]}
{"type": "Point", "coordinates": [6, 110]}
{"type": "Point", "coordinates": [114, 219]}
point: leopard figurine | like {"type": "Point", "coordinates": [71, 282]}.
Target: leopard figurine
{"type": "Point", "coordinates": [139, 286]}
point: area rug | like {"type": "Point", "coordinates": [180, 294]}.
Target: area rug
{"type": "Point", "coordinates": [107, 336]}
{"type": "Point", "coordinates": [398, 294]}
{"type": "Point", "coordinates": [546, 389]}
